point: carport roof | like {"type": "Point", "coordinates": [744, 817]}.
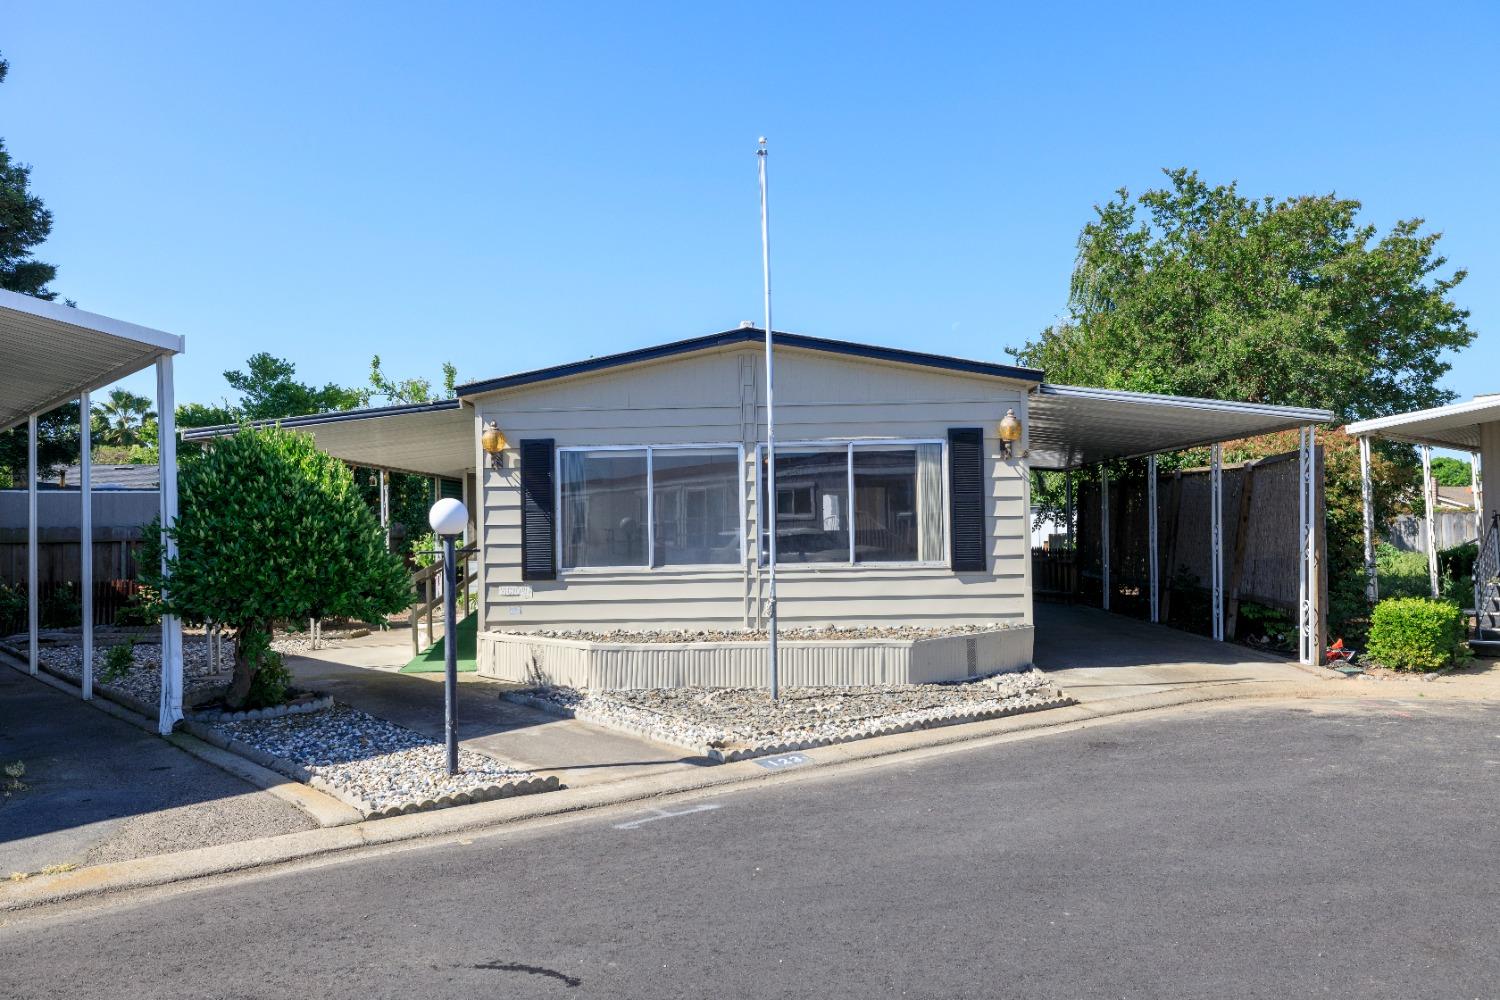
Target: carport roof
{"type": "Point", "coordinates": [54, 352]}
{"type": "Point", "coordinates": [427, 439]}
{"type": "Point", "coordinates": [1453, 426]}
{"type": "Point", "coordinates": [1072, 426]}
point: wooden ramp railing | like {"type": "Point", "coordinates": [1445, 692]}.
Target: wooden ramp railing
{"type": "Point", "coordinates": [427, 582]}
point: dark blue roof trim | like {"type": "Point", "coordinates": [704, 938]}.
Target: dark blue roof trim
{"type": "Point", "coordinates": [318, 419]}
{"type": "Point", "coordinates": [747, 335]}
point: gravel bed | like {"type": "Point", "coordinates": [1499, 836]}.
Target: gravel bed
{"type": "Point", "coordinates": [143, 680]}
{"type": "Point", "coordinates": [732, 723]}
{"type": "Point", "coordinates": [378, 765]}
{"type": "Point", "coordinates": [805, 633]}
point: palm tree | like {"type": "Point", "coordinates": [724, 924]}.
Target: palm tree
{"type": "Point", "coordinates": [120, 418]}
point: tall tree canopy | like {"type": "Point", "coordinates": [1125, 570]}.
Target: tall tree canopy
{"type": "Point", "coordinates": [24, 224]}
{"type": "Point", "coordinates": [268, 390]}
{"type": "Point", "coordinates": [1200, 291]}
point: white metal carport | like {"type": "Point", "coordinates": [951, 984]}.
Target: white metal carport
{"type": "Point", "coordinates": [1074, 426]}
{"type": "Point", "coordinates": [54, 354]}
{"type": "Point", "coordinates": [1474, 427]}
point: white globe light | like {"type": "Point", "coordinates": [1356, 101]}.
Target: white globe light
{"type": "Point", "coordinates": [448, 517]}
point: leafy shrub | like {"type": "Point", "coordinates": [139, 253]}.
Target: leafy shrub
{"type": "Point", "coordinates": [1400, 573]}
{"type": "Point", "coordinates": [271, 683]}
{"type": "Point", "coordinates": [12, 609]}
{"type": "Point", "coordinates": [1277, 626]}
{"type": "Point", "coordinates": [272, 529]}
{"type": "Point", "coordinates": [118, 661]}
{"type": "Point", "coordinates": [141, 610]}
{"type": "Point", "coordinates": [1416, 633]}
{"type": "Point", "coordinates": [63, 608]}
{"type": "Point", "coordinates": [424, 549]}
{"type": "Point", "coordinates": [1458, 561]}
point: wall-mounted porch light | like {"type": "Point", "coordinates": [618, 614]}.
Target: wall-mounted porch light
{"type": "Point", "coordinates": [493, 443]}
{"type": "Point", "coordinates": [1010, 432]}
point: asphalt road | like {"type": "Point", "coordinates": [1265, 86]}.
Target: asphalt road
{"type": "Point", "coordinates": [1303, 850]}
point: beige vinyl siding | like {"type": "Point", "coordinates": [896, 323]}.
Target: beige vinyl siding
{"type": "Point", "coordinates": [717, 398]}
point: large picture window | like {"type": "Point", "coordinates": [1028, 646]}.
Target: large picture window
{"type": "Point", "coordinates": [650, 506]}
{"type": "Point", "coordinates": [857, 503]}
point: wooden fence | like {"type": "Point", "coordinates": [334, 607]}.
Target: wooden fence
{"type": "Point", "coordinates": [1260, 544]}
{"type": "Point", "coordinates": [1408, 532]}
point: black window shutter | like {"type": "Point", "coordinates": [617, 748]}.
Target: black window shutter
{"type": "Point", "coordinates": [538, 511]}
{"type": "Point", "coordinates": [966, 500]}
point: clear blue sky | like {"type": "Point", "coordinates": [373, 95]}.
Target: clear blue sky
{"type": "Point", "coordinates": [512, 186]}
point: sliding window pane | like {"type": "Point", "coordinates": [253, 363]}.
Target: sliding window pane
{"type": "Point", "coordinates": [812, 505]}
{"type": "Point", "coordinates": [604, 508]}
{"type": "Point", "coordinates": [697, 508]}
{"type": "Point", "coordinates": [898, 496]}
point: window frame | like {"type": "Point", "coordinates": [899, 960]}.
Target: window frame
{"type": "Point", "coordinates": [651, 565]}
{"type": "Point", "coordinates": [849, 444]}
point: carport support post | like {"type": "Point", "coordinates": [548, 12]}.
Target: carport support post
{"type": "Point", "coordinates": [385, 506]}
{"type": "Point", "coordinates": [1104, 536]}
{"type": "Point", "coordinates": [1216, 536]}
{"type": "Point", "coordinates": [1367, 497]}
{"type": "Point", "coordinates": [170, 711]}
{"type": "Point", "coordinates": [1476, 494]}
{"type": "Point", "coordinates": [86, 540]}
{"type": "Point", "coordinates": [1307, 625]}
{"type": "Point", "coordinates": [1151, 538]}
{"type": "Point", "coordinates": [1428, 502]}
{"type": "Point", "coordinates": [33, 618]}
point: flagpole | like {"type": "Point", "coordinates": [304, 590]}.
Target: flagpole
{"type": "Point", "coordinates": [768, 516]}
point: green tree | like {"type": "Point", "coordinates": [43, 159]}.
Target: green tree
{"type": "Point", "coordinates": [1200, 291]}
{"type": "Point", "coordinates": [272, 529]}
{"type": "Point", "coordinates": [1451, 471]}
{"type": "Point", "coordinates": [24, 224]}
{"type": "Point", "coordinates": [268, 390]}
{"type": "Point", "coordinates": [411, 390]}
{"type": "Point", "coordinates": [122, 419]}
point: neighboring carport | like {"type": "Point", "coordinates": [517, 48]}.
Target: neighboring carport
{"type": "Point", "coordinates": [1072, 427]}
{"type": "Point", "coordinates": [55, 354]}
{"type": "Point", "coordinates": [1473, 427]}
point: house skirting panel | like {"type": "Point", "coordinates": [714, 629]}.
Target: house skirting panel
{"type": "Point", "coordinates": [532, 659]}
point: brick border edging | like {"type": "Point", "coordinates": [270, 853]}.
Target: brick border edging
{"type": "Point", "coordinates": [298, 772]}
{"type": "Point", "coordinates": [726, 755]}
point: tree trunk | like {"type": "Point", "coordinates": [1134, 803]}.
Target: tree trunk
{"type": "Point", "coordinates": [244, 669]}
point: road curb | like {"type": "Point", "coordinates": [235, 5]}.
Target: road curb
{"type": "Point", "coordinates": [497, 814]}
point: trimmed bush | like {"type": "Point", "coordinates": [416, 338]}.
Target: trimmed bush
{"type": "Point", "coordinates": [1416, 633]}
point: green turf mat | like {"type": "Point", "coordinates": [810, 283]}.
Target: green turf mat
{"type": "Point", "coordinates": [430, 661]}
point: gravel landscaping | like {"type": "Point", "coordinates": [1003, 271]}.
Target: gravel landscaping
{"type": "Point", "coordinates": [737, 723]}
{"type": "Point", "coordinates": [806, 633]}
{"type": "Point", "coordinates": [378, 767]}
{"type": "Point", "coordinates": [143, 680]}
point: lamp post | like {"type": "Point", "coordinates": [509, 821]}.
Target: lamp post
{"type": "Point", "coordinates": [448, 518]}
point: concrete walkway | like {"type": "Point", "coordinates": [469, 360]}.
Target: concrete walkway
{"type": "Point", "coordinates": [1099, 656]}
{"type": "Point", "coordinates": [101, 790]}
{"type": "Point", "coordinates": [578, 753]}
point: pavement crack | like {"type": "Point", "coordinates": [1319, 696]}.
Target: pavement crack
{"type": "Point", "coordinates": [531, 970]}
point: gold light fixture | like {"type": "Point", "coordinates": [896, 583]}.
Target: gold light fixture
{"type": "Point", "coordinates": [1010, 432]}
{"type": "Point", "coordinates": [493, 443]}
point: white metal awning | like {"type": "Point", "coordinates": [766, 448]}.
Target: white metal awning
{"type": "Point", "coordinates": [1455, 426]}
{"type": "Point", "coordinates": [427, 439]}
{"type": "Point", "coordinates": [52, 353]}
{"type": "Point", "coordinates": [1072, 426]}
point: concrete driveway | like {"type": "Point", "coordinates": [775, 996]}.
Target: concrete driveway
{"type": "Point", "coordinates": [1099, 656]}
{"type": "Point", "coordinates": [99, 789]}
